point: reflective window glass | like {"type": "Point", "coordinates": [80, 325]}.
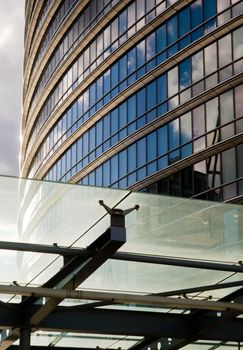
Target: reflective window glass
{"type": "Point", "coordinates": [184, 21]}
{"type": "Point", "coordinates": [172, 31]}
{"type": "Point", "coordinates": [174, 134]}
{"type": "Point", "coordinates": [238, 43]}
{"type": "Point", "coordinates": [186, 127]}
{"type": "Point", "coordinates": [185, 73]}
{"type": "Point", "coordinates": [173, 81]}
{"type": "Point", "coordinates": [151, 146]}
{"type": "Point", "coordinates": [162, 140]}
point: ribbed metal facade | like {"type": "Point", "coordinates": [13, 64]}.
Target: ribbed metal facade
{"type": "Point", "coordinates": [140, 94]}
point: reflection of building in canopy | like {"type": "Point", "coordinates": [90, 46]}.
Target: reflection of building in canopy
{"type": "Point", "coordinates": [116, 277]}
{"type": "Point", "coordinates": [139, 94]}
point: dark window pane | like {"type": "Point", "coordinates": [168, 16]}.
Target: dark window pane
{"type": "Point", "coordinates": [132, 159]}
{"type": "Point", "coordinates": [151, 146]}
{"type": "Point", "coordinates": [151, 95]}
{"type": "Point", "coordinates": [162, 140]}
{"type": "Point", "coordinates": [114, 168]}
{"type": "Point", "coordinates": [141, 102]}
{"type": "Point", "coordinates": [141, 152]}
{"type": "Point", "coordinates": [184, 21]}
{"type": "Point", "coordinates": [174, 134]}
{"type": "Point", "coordinates": [161, 38]}
{"type": "Point", "coordinates": [162, 88]}
{"type": "Point", "coordinates": [185, 73]}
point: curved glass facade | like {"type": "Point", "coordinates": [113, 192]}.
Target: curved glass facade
{"type": "Point", "coordinates": [154, 97]}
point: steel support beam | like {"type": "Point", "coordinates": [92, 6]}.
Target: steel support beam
{"type": "Point", "coordinates": [24, 341]}
{"type": "Point", "coordinates": [140, 323]}
{"type": "Point", "coordinates": [124, 256]}
{"type": "Point", "coordinates": [177, 343]}
{"type": "Point", "coordinates": [75, 271]}
{"type": "Point", "coordinates": [120, 298]}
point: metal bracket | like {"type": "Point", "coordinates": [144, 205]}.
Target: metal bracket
{"type": "Point", "coordinates": [117, 215]}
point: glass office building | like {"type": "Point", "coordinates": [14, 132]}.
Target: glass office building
{"type": "Point", "coordinates": [139, 94]}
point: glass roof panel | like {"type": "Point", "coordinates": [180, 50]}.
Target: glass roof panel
{"type": "Point", "coordinates": [70, 215]}
{"type": "Point", "coordinates": [180, 227]}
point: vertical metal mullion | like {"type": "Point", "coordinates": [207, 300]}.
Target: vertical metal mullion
{"type": "Point", "coordinates": [25, 334]}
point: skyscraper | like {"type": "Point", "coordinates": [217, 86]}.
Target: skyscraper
{"type": "Point", "coordinates": [140, 94]}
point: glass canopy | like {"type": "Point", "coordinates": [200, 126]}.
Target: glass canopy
{"type": "Point", "coordinates": [173, 247]}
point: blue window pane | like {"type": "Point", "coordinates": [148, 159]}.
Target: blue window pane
{"type": "Point", "coordinates": [209, 7]}
{"type": "Point", "coordinates": [172, 30]}
{"type": "Point", "coordinates": [163, 162]}
{"type": "Point", "coordinates": [185, 73]}
{"type": "Point", "coordinates": [114, 168]}
{"type": "Point", "coordinates": [140, 53]}
{"type": "Point", "coordinates": [174, 134]}
{"type": "Point", "coordinates": [99, 132]}
{"type": "Point", "coordinates": [85, 143]}
{"type": "Point", "coordinates": [86, 100]}
{"type": "Point", "coordinates": [196, 13]}
{"type": "Point", "coordinates": [92, 179]}
{"type": "Point", "coordinates": [186, 150]}
{"type": "Point", "coordinates": [122, 68]}
{"type": "Point", "coordinates": [107, 84]}
{"type": "Point", "coordinates": [162, 140]}
{"type": "Point", "coordinates": [98, 177]}
{"type": "Point", "coordinates": [92, 95]}
{"type": "Point", "coordinates": [151, 146]}
{"type": "Point", "coordinates": [141, 173]}
{"type": "Point", "coordinates": [85, 180]}
{"type": "Point", "coordinates": [132, 158]}
{"type": "Point", "coordinates": [114, 121]}
{"type": "Point", "coordinates": [131, 108]}
{"type": "Point", "coordinates": [162, 88]}
{"type": "Point", "coordinates": [92, 138]}
{"type": "Point", "coordinates": [106, 126]}
{"type": "Point", "coordinates": [122, 115]}
{"type": "Point", "coordinates": [122, 163]}
{"type": "Point", "coordinates": [174, 156]}
{"type": "Point", "coordinates": [122, 22]}
{"type": "Point", "coordinates": [152, 168]}
{"type": "Point", "coordinates": [185, 41]}
{"type": "Point", "coordinates": [132, 179]}
{"type": "Point", "coordinates": [141, 152]}
{"type": "Point", "coordinates": [141, 102]}
{"type": "Point", "coordinates": [196, 19]}
{"type": "Point", "coordinates": [151, 95]}
{"type": "Point", "coordinates": [78, 108]}
{"type": "Point", "coordinates": [161, 38]}
{"type": "Point", "coordinates": [131, 61]}
{"type": "Point", "coordinates": [106, 173]}
{"type": "Point", "coordinates": [184, 21]}
{"type": "Point", "coordinates": [114, 75]}
{"type": "Point", "coordinates": [100, 87]}
{"type": "Point", "coordinates": [150, 46]}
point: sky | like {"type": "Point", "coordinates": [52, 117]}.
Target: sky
{"type": "Point", "coordinates": [11, 61]}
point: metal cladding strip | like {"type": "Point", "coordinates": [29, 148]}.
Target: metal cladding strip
{"type": "Point", "coordinates": [29, 4]}
{"type": "Point", "coordinates": [30, 28]}
{"type": "Point", "coordinates": [35, 46]}
{"type": "Point", "coordinates": [105, 64]}
{"type": "Point", "coordinates": [170, 63]}
{"type": "Point", "coordinates": [33, 80]}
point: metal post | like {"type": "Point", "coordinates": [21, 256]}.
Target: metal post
{"type": "Point", "coordinates": [24, 343]}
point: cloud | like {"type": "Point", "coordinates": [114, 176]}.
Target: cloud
{"type": "Point", "coordinates": [11, 56]}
